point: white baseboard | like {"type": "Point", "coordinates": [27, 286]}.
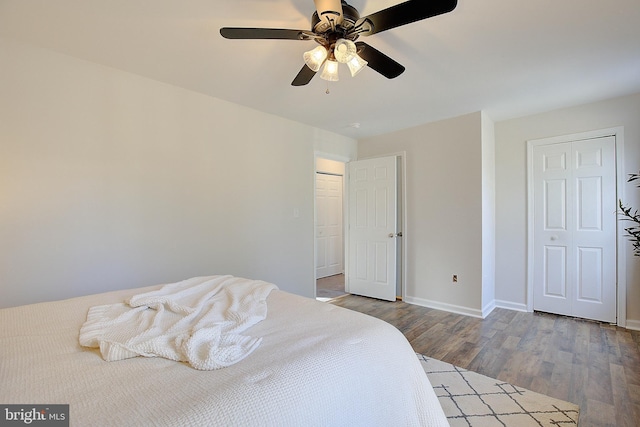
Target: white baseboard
{"type": "Point", "coordinates": [633, 324]}
{"type": "Point", "coordinates": [487, 309]}
{"type": "Point", "coordinates": [511, 305]}
{"type": "Point", "coordinates": [466, 311]}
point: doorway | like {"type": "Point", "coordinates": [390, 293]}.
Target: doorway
{"type": "Point", "coordinates": [573, 249]}
{"type": "Point", "coordinates": [332, 165]}
{"type": "Point", "coordinates": [330, 287]}
{"type": "Point", "coordinates": [329, 231]}
{"type": "Point", "coordinates": [329, 228]}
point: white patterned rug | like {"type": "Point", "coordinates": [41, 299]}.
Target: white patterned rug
{"type": "Point", "coordinates": [471, 399]}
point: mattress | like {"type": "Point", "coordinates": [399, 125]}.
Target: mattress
{"type": "Point", "coordinates": [317, 365]}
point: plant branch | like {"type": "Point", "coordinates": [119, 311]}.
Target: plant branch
{"type": "Point", "coordinates": [627, 214]}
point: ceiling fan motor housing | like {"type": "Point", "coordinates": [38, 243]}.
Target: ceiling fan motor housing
{"type": "Point", "coordinates": [349, 18]}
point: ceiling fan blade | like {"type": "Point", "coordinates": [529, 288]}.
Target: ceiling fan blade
{"type": "Point", "coordinates": [304, 76]}
{"type": "Point", "coordinates": [402, 14]}
{"type": "Point", "coordinates": [378, 61]}
{"type": "Point", "coordinates": [329, 13]}
{"type": "Point", "coordinates": [265, 33]}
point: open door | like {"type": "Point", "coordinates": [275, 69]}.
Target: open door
{"type": "Point", "coordinates": [373, 233]}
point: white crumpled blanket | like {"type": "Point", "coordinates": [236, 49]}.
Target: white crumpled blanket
{"type": "Point", "coordinates": [198, 321]}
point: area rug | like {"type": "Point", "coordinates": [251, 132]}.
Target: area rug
{"type": "Point", "coordinates": [471, 399]}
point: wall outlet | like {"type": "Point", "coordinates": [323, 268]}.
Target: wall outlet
{"type": "Point", "coordinates": [455, 278]}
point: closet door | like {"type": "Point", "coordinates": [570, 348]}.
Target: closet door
{"type": "Point", "coordinates": [574, 235]}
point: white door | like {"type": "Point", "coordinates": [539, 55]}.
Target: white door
{"type": "Point", "coordinates": [329, 236]}
{"type": "Point", "coordinates": [373, 228]}
{"type": "Point", "coordinates": [574, 196]}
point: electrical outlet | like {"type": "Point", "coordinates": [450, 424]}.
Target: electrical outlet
{"type": "Point", "coordinates": [455, 278]}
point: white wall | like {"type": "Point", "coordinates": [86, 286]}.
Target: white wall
{"type": "Point", "coordinates": [444, 209]}
{"type": "Point", "coordinates": [511, 189]}
{"type": "Point", "coordinates": [330, 166]}
{"type": "Point", "coordinates": [488, 214]}
{"type": "Point", "coordinates": [109, 180]}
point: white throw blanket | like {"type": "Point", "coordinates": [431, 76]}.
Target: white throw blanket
{"type": "Point", "coordinates": [198, 321]}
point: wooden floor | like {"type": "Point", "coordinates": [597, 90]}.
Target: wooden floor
{"type": "Point", "coordinates": [330, 287]}
{"type": "Point", "coordinates": [594, 365]}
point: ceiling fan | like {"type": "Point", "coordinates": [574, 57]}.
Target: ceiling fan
{"type": "Point", "coordinates": [335, 26]}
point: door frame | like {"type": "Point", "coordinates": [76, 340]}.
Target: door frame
{"type": "Point", "coordinates": [344, 159]}
{"type": "Point", "coordinates": [402, 193]}
{"type": "Point", "coordinates": [621, 241]}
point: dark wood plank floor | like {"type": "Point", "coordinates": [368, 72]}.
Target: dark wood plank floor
{"type": "Point", "coordinates": [593, 365]}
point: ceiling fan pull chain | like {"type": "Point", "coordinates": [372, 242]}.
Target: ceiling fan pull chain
{"type": "Point", "coordinates": [327, 91]}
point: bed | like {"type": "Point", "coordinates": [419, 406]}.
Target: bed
{"type": "Point", "coordinates": [316, 365]}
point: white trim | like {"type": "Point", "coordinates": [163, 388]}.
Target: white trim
{"type": "Point", "coordinates": [530, 219]}
{"type": "Point", "coordinates": [622, 240]}
{"type": "Point", "coordinates": [511, 305]}
{"type": "Point", "coordinates": [633, 324]}
{"type": "Point", "coordinates": [329, 156]}
{"type": "Point", "coordinates": [466, 311]}
{"type": "Point", "coordinates": [621, 252]}
{"type": "Point", "coordinates": [402, 155]}
{"type": "Point", "coordinates": [345, 224]}
{"type": "Point", "coordinates": [488, 309]}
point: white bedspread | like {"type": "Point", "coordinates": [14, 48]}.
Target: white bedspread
{"type": "Point", "coordinates": [318, 365]}
{"type": "Point", "coordinates": [198, 321]}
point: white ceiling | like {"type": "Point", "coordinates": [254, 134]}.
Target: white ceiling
{"type": "Point", "coordinates": [506, 57]}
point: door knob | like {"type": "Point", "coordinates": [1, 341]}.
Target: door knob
{"type": "Point", "coordinates": [391, 235]}
{"type": "Point", "coordinates": [554, 237]}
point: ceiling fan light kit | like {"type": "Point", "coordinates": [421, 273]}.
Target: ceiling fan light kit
{"type": "Point", "coordinates": [344, 51]}
{"type": "Point", "coordinates": [335, 26]}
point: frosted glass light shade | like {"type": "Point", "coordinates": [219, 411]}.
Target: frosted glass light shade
{"type": "Point", "coordinates": [315, 57]}
{"type": "Point", "coordinates": [356, 64]}
{"type": "Point", "coordinates": [344, 50]}
{"type": "Point", "coordinates": [330, 71]}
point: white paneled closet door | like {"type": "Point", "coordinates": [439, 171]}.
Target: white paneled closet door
{"type": "Point", "coordinates": [329, 225]}
{"type": "Point", "coordinates": [574, 196]}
